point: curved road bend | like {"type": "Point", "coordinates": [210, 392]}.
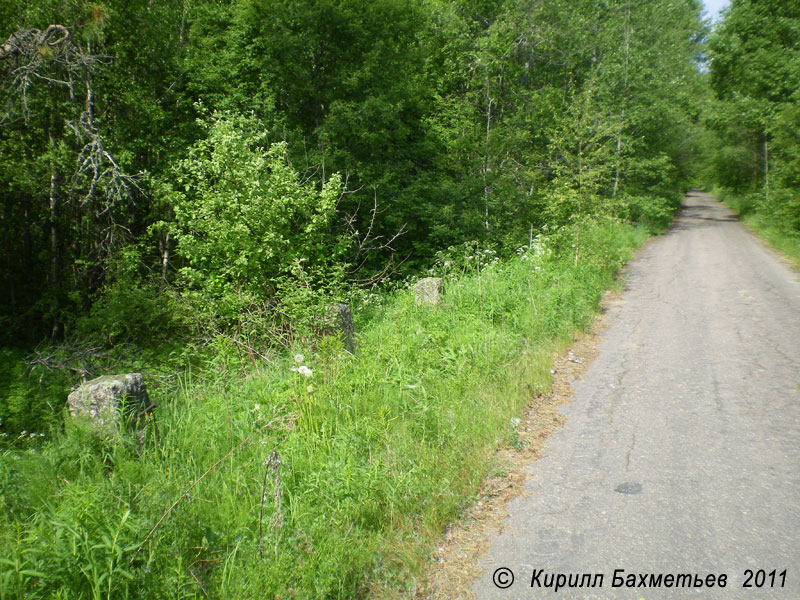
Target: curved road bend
{"type": "Point", "coordinates": [681, 453]}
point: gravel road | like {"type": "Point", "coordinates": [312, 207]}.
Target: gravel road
{"type": "Point", "coordinates": [681, 452]}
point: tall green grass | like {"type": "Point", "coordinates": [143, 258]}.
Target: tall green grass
{"type": "Point", "coordinates": [337, 482]}
{"type": "Point", "coordinates": [763, 224]}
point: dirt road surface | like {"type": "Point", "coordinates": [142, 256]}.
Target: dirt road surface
{"type": "Point", "coordinates": [681, 452]}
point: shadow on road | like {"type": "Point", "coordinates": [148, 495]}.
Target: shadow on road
{"type": "Point", "coordinates": [699, 216]}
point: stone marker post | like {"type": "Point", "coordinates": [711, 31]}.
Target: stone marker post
{"type": "Point", "coordinates": [428, 291]}
{"type": "Point", "coordinates": [111, 402]}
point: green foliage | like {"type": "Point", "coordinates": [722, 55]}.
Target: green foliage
{"type": "Point", "coordinates": [251, 233]}
{"type": "Point", "coordinates": [453, 120]}
{"type": "Point", "coordinates": [529, 130]}
{"type": "Point", "coordinates": [133, 307]}
{"type": "Point", "coordinates": [774, 231]}
{"type": "Point", "coordinates": [755, 74]}
{"type": "Point", "coordinates": [654, 213]}
{"type": "Point", "coordinates": [30, 399]}
{"type": "Point", "coordinates": [379, 451]}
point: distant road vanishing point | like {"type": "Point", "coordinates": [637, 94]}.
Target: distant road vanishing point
{"type": "Point", "coordinates": [680, 458]}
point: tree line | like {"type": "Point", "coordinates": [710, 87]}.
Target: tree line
{"type": "Point", "coordinates": [243, 162]}
{"type": "Point", "coordinates": [755, 113]}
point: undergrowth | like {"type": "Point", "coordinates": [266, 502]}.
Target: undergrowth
{"type": "Point", "coordinates": [328, 481]}
{"type": "Point", "coordinates": [764, 224]}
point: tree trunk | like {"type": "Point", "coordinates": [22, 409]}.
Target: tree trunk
{"type": "Point", "coordinates": [619, 147]}
{"type": "Point", "coordinates": [165, 257]}
{"type": "Point", "coordinates": [624, 99]}
{"type": "Point", "coordinates": [55, 257]}
{"type": "Point", "coordinates": [486, 157]}
{"type": "Point", "coordinates": [580, 201]}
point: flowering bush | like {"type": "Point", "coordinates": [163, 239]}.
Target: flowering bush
{"type": "Point", "coordinates": [469, 257]}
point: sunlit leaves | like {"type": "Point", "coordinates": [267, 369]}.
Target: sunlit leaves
{"type": "Point", "coordinates": [243, 216]}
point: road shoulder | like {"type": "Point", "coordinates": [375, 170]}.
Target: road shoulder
{"type": "Point", "coordinates": [453, 566]}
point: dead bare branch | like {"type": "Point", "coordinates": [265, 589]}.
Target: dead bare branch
{"type": "Point", "coordinates": [81, 361]}
{"type": "Point", "coordinates": [54, 57]}
{"type": "Point", "coordinates": [250, 350]}
{"type": "Point", "coordinates": [20, 42]}
{"type": "Point", "coordinates": [368, 244]}
{"type": "Point", "coordinates": [389, 269]}
{"type": "Point", "coordinates": [185, 494]}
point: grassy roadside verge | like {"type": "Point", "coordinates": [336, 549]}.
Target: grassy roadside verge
{"type": "Point", "coordinates": [776, 236]}
{"type": "Point", "coordinates": [338, 481]}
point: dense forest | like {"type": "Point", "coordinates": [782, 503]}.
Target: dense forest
{"type": "Point", "coordinates": [754, 117]}
{"type": "Point", "coordinates": [229, 153]}
{"type": "Point", "coordinates": [189, 185]}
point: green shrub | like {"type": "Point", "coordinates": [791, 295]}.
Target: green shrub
{"type": "Point", "coordinates": [31, 399]}
{"type": "Point", "coordinates": [255, 240]}
{"type": "Point", "coordinates": [378, 451]}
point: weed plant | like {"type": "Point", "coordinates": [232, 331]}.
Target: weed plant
{"type": "Point", "coordinates": [769, 226]}
{"type": "Point", "coordinates": [323, 475]}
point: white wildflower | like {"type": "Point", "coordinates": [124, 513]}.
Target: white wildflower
{"type": "Point", "coordinates": [310, 389]}
{"type": "Point", "coordinates": [305, 371]}
{"type": "Point", "coordinates": [299, 358]}
{"type": "Point", "coordinates": [515, 422]}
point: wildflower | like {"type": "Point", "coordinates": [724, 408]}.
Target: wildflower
{"type": "Point", "coordinates": [257, 407]}
{"type": "Point", "coordinates": [515, 422]}
{"type": "Point", "coordinates": [299, 358]}
{"type": "Point", "coordinates": [310, 389]}
{"type": "Point", "coordinates": [305, 371]}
